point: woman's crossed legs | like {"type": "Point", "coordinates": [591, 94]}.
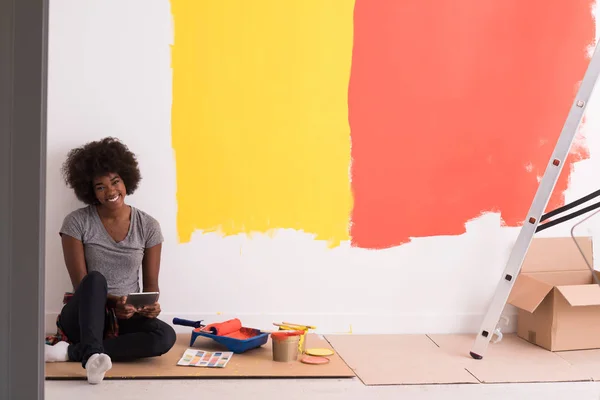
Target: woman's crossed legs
{"type": "Point", "coordinates": [83, 322]}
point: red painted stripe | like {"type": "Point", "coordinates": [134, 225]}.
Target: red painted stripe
{"type": "Point", "coordinates": [450, 102]}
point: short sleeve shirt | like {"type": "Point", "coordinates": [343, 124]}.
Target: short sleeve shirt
{"type": "Point", "coordinates": [119, 262]}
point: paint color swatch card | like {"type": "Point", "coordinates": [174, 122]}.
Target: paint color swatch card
{"type": "Point", "coordinates": [201, 358]}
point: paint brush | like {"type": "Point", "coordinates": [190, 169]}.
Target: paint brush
{"type": "Point", "coordinates": [304, 326]}
{"type": "Point", "coordinates": [278, 331]}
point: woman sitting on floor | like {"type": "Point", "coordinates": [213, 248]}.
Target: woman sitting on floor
{"type": "Point", "coordinates": [105, 244]}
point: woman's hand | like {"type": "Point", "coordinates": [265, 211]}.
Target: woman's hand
{"type": "Point", "coordinates": [123, 310]}
{"type": "Point", "coordinates": [151, 311]}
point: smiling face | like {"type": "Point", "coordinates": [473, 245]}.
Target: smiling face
{"type": "Point", "coordinates": [110, 190]}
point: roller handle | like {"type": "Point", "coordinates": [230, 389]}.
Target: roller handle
{"type": "Point", "coordinates": [187, 322]}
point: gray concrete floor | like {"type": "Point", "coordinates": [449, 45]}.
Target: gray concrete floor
{"type": "Point", "coordinates": [330, 389]}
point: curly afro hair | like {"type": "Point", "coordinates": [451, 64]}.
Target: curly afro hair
{"type": "Point", "coordinates": [100, 158]}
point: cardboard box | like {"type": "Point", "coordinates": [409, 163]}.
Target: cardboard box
{"type": "Point", "coordinates": [556, 296]}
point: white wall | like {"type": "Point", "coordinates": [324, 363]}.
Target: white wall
{"type": "Point", "coordinates": [110, 75]}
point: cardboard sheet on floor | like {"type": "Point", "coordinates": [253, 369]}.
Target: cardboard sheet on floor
{"type": "Point", "coordinates": [399, 359]}
{"type": "Point", "coordinates": [587, 361]}
{"type": "Point", "coordinates": [256, 363]}
{"type": "Point", "coordinates": [512, 360]}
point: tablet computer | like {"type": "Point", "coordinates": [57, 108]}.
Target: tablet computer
{"type": "Point", "coordinates": [139, 300]}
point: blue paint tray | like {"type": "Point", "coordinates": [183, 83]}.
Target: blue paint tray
{"type": "Point", "coordinates": [255, 338]}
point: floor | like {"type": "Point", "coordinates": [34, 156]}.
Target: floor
{"type": "Point", "coordinates": [346, 389]}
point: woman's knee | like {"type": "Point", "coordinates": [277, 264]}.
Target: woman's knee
{"type": "Point", "coordinates": [165, 339]}
{"type": "Point", "coordinates": [169, 337]}
{"type": "Point", "coordinates": [94, 279]}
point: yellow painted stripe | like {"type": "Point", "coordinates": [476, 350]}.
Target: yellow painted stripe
{"type": "Point", "coordinates": [260, 116]}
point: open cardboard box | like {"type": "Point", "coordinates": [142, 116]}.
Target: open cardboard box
{"type": "Point", "coordinates": [556, 296]}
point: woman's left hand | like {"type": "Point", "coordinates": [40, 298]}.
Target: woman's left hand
{"type": "Point", "coordinates": [152, 311]}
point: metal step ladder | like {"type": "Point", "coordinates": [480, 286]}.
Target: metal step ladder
{"type": "Point", "coordinates": [536, 212]}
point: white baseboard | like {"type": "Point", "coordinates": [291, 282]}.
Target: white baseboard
{"type": "Point", "coordinates": [341, 323]}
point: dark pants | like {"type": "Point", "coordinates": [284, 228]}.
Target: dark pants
{"type": "Point", "coordinates": [83, 319]}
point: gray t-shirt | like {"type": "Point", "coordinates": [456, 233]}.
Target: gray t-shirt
{"type": "Point", "coordinates": [120, 263]}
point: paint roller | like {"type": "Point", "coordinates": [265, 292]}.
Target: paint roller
{"type": "Point", "coordinates": [218, 329]}
{"type": "Point", "coordinates": [224, 328]}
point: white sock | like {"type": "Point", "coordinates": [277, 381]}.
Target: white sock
{"type": "Point", "coordinates": [56, 353]}
{"type": "Point", "coordinates": [96, 366]}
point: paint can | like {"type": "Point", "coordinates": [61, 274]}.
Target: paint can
{"type": "Point", "coordinates": [285, 345]}
{"type": "Point", "coordinates": [304, 330]}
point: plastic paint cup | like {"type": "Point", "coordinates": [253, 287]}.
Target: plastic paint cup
{"type": "Point", "coordinates": [304, 330]}
{"type": "Point", "coordinates": [285, 345]}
